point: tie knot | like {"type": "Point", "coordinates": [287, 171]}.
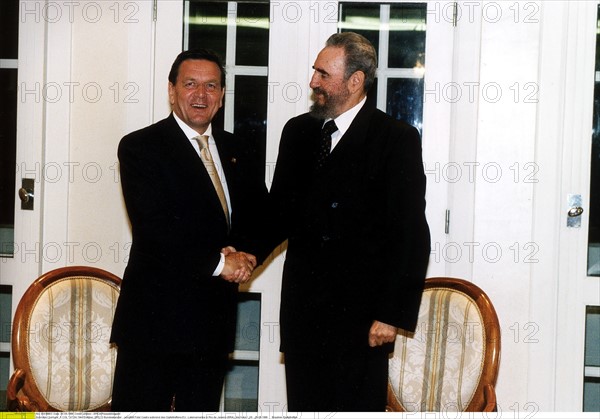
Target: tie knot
{"type": "Point", "coordinates": [329, 128]}
{"type": "Point", "coordinates": [202, 141]}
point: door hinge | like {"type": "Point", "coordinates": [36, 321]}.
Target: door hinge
{"type": "Point", "coordinates": [455, 14]}
{"type": "Point", "coordinates": [447, 222]}
{"type": "Point", "coordinates": [154, 10]}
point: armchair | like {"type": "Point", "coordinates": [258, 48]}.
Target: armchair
{"type": "Point", "coordinates": [451, 362]}
{"type": "Point", "coordinates": [62, 357]}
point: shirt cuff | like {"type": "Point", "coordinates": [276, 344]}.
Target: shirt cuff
{"type": "Point", "coordinates": [220, 266]}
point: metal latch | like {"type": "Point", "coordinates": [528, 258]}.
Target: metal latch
{"type": "Point", "coordinates": [26, 193]}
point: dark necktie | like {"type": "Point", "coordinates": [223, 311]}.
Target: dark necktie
{"type": "Point", "coordinates": [325, 144]}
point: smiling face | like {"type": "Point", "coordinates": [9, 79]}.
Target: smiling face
{"type": "Point", "coordinates": [197, 93]}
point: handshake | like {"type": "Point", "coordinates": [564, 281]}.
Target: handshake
{"type": "Point", "coordinates": [238, 265]}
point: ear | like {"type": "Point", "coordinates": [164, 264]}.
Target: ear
{"type": "Point", "coordinates": [356, 81]}
{"type": "Point", "coordinates": [171, 93]}
{"type": "Point", "coordinates": [222, 96]}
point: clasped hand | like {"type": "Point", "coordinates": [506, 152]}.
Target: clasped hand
{"type": "Point", "coordinates": [381, 333]}
{"type": "Point", "coordinates": [238, 265]}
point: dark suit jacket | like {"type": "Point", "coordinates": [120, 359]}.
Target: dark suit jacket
{"type": "Point", "coordinates": [169, 299]}
{"type": "Point", "coordinates": [358, 239]}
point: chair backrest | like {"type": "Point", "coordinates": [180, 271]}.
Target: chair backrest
{"type": "Point", "coordinates": [61, 339]}
{"type": "Point", "coordinates": [452, 356]}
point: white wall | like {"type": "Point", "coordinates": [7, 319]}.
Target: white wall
{"type": "Point", "coordinates": [494, 139]}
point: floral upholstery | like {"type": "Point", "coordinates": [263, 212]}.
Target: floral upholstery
{"type": "Point", "coordinates": [68, 347]}
{"type": "Point", "coordinates": [439, 368]}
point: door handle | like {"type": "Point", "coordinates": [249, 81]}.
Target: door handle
{"type": "Point", "coordinates": [26, 193]}
{"type": "Point", "coordinates": [574, 210]}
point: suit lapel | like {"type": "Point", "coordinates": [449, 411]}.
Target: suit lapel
{"type": "Point", "coordinates": [193, 171]}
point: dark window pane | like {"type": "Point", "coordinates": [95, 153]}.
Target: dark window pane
{"type": "Point", "coordinates": [252, 34]}
{"type": "Point", "coordinates": [4, 370]}
{"type": "Point", "coordinates": [8, 144]}
{"type": "Point", "coordinates": [5, 330]}
{"type": "Point", "coordinates": [9, 35]}
{"type": "Point", "coordinates": [241, 382]}
{"type": "Point", "coordinates": [9, 28]}
{"type": "Point", "coordinates": [250, 110]}
{"type": "Point", "coordinates": [361, 18]}
{"type": "Point", "coordinates": [407, 35]}
{"type": "Point", "coordinates": [208, 26]}
{"type": "Point", "coordinates": [241, 388]}
{"type": "Point", "coordinates": [5, 313]}
{"type": "Point", "coordinates": [247, 336]}
{"type": "Point", "coordinates": [405, 101]}
{"type": "Point", "coordinates": [594, 226]}
{"type": "Point", "coordinates": [592, 336]}
{"type": "Point", "coordinates": [591, 394]}
{"type": "Point", "coordinates": [591, 384]}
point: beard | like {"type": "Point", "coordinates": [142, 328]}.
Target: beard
{"type": "Point", "coordinates": [332, 102]}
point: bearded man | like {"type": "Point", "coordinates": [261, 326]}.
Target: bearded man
{"type": "Point", "coordinates": [348, 193]}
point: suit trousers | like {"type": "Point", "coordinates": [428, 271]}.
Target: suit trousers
{"type": "Point", "coordinates": [150, 381]}
{"type": "Point", "coordinates": [354, 381]}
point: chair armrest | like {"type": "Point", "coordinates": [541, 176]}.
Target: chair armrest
{"type": "Point", "coordinates": [489, 395]}
{"type": "Point", "coordinates": [15, 384]}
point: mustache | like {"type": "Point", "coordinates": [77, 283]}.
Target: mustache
{"type": "Point", "coordinates": [319, 91]}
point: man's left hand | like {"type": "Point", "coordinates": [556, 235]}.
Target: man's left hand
{"type": "Point", "coordinates": [381, 333]}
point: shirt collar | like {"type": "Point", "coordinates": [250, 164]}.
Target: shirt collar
{"type": "Point", "coordinates": [344, 120]}
{"type": "Point", "coordinates": [189, 132]}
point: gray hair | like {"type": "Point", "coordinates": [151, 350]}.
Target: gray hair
{"type": "Point", "coordinates": [360, 55]}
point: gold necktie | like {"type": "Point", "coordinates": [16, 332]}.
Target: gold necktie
{"type": "Point", "coordinates": [207, 159]}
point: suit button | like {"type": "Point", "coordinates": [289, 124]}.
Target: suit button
{"type": "Point", "coordinates": [334, 205]}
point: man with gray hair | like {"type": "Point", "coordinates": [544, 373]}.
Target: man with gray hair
{"type": "Point", "coordinates": [348, 193]}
